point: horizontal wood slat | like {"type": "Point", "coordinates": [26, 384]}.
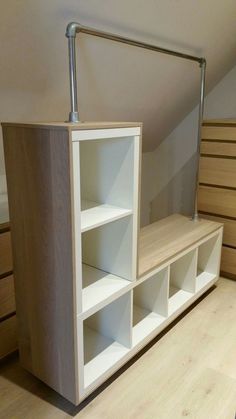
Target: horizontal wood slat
{"type": "Point", "coordinates": [219, 133]}
{"type": "Point", "coordinates": [218, 171]}
{"type": "Point", "coordinates": [8, 336]}
{"type": "Point", "coordinates": [228, 260]}
{"type": "Point", "coordinates": [7, 296]}
{"type": "Point", "coordinates": [218, 168]}
{"type": "Point", "coordinates": [217, 201]}
{"type": "Point", "coordinates": [5, 253]}
{"type": "Point", "coordinates": [229, 235]}
{"type": "Point", "coordinates": [218, 149]}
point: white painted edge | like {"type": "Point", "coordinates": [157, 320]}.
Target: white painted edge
{"type": "Point", "coordinates": [97, 134]}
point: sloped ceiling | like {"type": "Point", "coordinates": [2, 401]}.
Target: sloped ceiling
{"type": "Point", "coordinates": [116, 82]}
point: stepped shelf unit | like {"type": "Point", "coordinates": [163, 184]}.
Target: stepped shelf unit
{"type": "Point", "coordinates": [91, 289]}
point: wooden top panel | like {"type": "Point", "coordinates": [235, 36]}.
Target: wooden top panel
{"type": "Point", "coordinates": [225, 121]}
{"type": "Point", "coordinates": [73, 127]}
{"type": "Point", "coordinates": [164, 239]}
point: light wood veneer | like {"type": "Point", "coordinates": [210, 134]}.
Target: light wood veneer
{"type": "Point", "coordinates": [217, 190]}
{"type": "Point", "coordinates": [80, 322]}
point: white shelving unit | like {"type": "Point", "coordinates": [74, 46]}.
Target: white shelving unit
{"type": "Point", "coordinates": [98, 289]}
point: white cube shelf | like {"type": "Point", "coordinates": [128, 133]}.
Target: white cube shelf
{"type": "Point", "coordinates": [98, 287]}
{"type": "Point", "coordinates": [107, 338]}
{"type": "Point", "coordinates": [150, 305]}
{"type": "Point", "coordinates": [208, 261]}
{"type": "Point", "coordinates": [106, 287]}
{"type": "Point", "coordinates": [182, 280]}
{"type": "Point", "coordinates": [106, 180]}
{"type": "Point", "coordinates": [111, 248]}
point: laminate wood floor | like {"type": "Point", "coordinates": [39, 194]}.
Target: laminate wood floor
{"type": "Point", "coordinates": [190, 371]}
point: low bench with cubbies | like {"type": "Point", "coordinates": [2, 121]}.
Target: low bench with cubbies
{"type": "Point", "coordinates": [98, 287]}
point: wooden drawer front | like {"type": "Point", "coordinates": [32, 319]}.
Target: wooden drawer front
{"type": "Point", "coordinates": [218, 171]}
{"type": "Point", "coordinates": [229, 234]}
{"type": "Point", "coordinates": [228, 260]}
{"type": "Point", "coordinates": [218, 149]}
{"type": "Point", "coordinates": [5, 253]}
{"type": "Point", "coordinates": [7, 296]}
{"type": "Point", "coordinates": [8, 336]}
{"type": "Point", "coordinates": [217, 201]}
{"type": "Point", "coordinates": [219, 133]}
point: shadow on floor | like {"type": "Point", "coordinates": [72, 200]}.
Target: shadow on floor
{"type": "Point", "coordinates": [11, 370]}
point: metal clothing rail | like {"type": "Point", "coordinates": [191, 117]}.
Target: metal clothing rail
{"type": "Point", "coordinates": [73, 28]}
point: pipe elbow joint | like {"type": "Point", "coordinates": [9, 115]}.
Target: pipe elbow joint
{"type": "Point", "coordinates": [71, 29]}
{"type": "Point", "coordinates": [203, 62]}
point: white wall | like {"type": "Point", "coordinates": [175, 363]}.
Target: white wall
{"type": "Point", "coordinates": [116, 82]}
{"type": "Point", "coordinates": [169, 171]}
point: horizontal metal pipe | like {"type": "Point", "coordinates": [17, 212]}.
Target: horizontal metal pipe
{"type": "Point", "coordinates": [74, 28]}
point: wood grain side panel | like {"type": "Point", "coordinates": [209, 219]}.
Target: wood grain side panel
{"type": "Point", "coordinates": [218, 149]}
{"type": "Point", "coordinates": [7, 296]}
{"type": "Point", "coordinates": [217, 201]}
{"type": "Point", "coordinates": [219, 133]}
{"type": "Point", "coordinates": [8, 336]}
{"type": "Point", "coordinates": [228, 260]}
{"type": "Point", "coordinates": [218, 171]}
{"type": "Point", "coordinates": [5, 253]}
{"type": "Point", "coordinates": [38, 178]}
{"type": "Point", "coordinates": [229, 234]}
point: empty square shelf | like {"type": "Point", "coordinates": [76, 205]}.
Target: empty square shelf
{"type": "Point", "coordinates": [107, 338]}
{"type": "Point", "coordinates": [107, 171]}
{"type": "Point", "coordinates": [182, 280]}
{"type": "Point", "coordinates": [98, 286]}
{"type": "Point", "coordinates": [110, 248]}
{"type": "Point", "coordinates": [208, 261]}
{"type": "Point", "coordinates": [150, 305]}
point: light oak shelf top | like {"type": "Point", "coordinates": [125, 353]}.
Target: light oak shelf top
{"type": "Point", "coordinates": [83, 125]}
{"type": "Point", "coordinates": [162, 240]}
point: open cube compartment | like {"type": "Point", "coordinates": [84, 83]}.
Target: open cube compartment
{"type": "Point", "coordinates": [182, 280]}
{"type": "Point", "coordinates": [107, 338]}
{"type": "Point", "coordinates": [208, 261]}
{"type": "Point", "coordinates": [110, 248]}
{"type": "Point", "coordinates": [98, 286]}
{"type": "Point", "coordinates": [150, 305]}
{"type": "Point", "coordinates": [107, 180]}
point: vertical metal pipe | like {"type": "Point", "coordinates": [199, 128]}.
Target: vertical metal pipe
{"type": "Point", "coordinates": [74, 114]}
{"type": "Point", "coordinates": [200, 119]}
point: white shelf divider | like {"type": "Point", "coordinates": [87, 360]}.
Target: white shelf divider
{"type": "Point", "coordinates": [94, 214]}
{"type": "Point", "coordinates": [182, 280]}
{"type": "Point", "coordinates": [150, 305]}
{"type": "Point", "coordinates": [98, 286]}
{"type": "Point", "coordinates": [208, 261]}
